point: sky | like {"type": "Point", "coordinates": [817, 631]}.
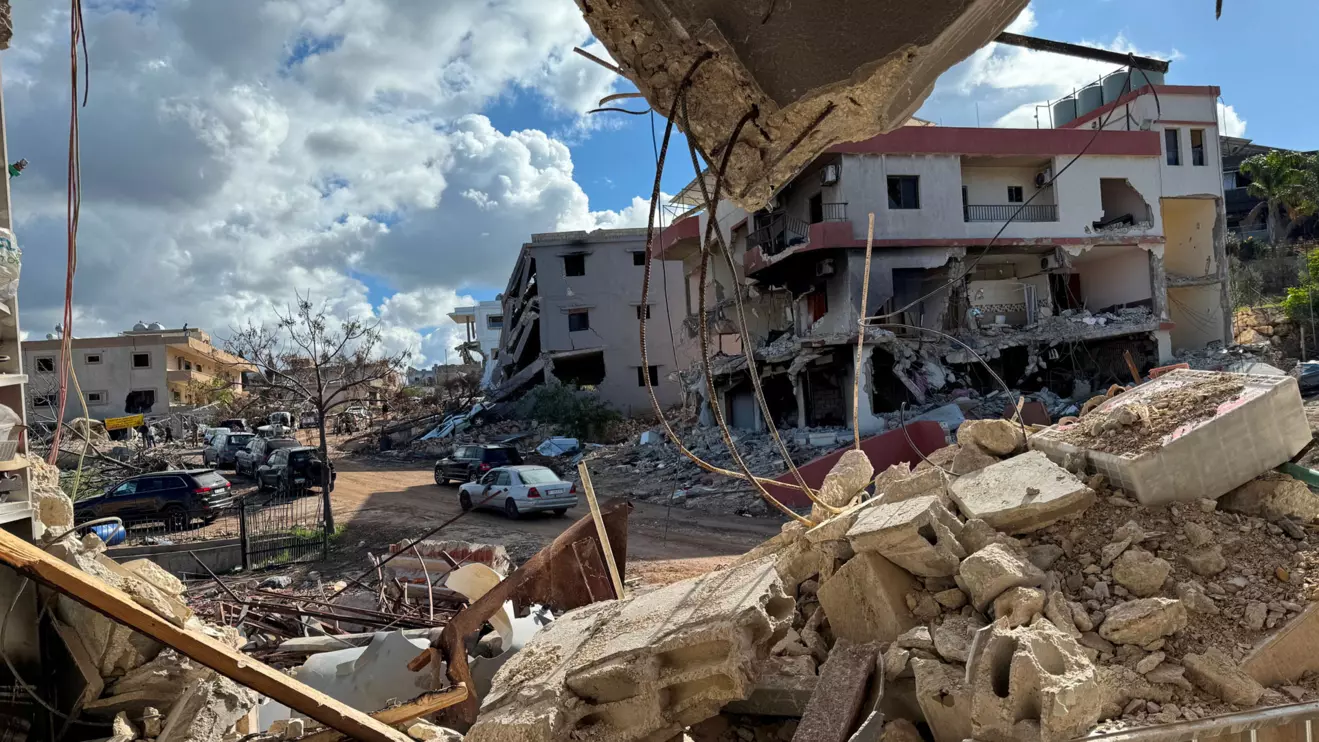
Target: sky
{"type": "Point", "coordinates": [390, 157]}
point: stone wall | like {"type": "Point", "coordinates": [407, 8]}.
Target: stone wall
{"type": "Point", "coordinates": [1270, 325]}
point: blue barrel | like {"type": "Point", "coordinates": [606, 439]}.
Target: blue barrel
{"type": "Point", "coordinates": [1090, 98]}
{"type": "Point", "coordinates": [111, 533]}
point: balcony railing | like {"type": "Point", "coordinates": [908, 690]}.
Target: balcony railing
{"type": "Point", "coordinates": [1004, 212]}
{"type": "Point", "coordinates": [777, 232]}
{"type": "Point", "coordinates": [835, 212]}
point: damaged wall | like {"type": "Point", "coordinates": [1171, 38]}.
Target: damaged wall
{"type": "Point", "coordinates": [1198, 314]}
{"type": "Point", "coordinates": [1114, 275]}
{"type": "Point", "coordinates": [988, 186]}
{"type": "Point", "coordinates": [1080, 194]}
{"type": "Point", "coordinates": [1188, 224]}
{"type": "Point", "coordinates": [1005, 293]}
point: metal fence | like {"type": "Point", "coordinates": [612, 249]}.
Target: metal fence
{"type": "Point", "coordinates": [173, 527]}
{"type": "Point", "coordinates": [1004, 212]}
{"type": "Point", "coordinates": [285, 529]}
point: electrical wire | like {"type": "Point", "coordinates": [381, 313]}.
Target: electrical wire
{"type": "Point", "coordinates": [664, 272]}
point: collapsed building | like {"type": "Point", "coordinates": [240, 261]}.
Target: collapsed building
{"type": "Point", "coordinates": [1051, 252]}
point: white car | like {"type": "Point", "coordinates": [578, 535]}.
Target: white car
{"type": "Point", "coordinates": [209, 436]}
{"type": "Point", "coordinates": [519, 489]}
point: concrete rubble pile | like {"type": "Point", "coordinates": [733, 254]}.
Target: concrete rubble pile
{"type": "Point", "coordinates": [1020, 598]}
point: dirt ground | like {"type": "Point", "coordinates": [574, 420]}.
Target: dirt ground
{"type": "Point", "coordinates": [383, 503]}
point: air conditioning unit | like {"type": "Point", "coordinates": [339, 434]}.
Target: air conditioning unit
{"type": "Point", "coordinates": [1043, 177]}
{"type": "Point", "coordinates": [829, 175]}
{"type": "Point", "coordinates": [824, 268]}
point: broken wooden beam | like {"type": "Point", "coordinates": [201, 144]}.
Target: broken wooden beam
{"type": "Point", "coordinates": [50, 571]}
{"type": "Point", "coordinates": [423, 705]}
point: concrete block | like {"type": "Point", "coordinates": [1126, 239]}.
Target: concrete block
{"type": "Point", "coordinates": [1023, 494]}
{"type": "Point", "coordinates": [777, 694]}
{"type": "Point", "coordinates": [1032, 682]}
{"type": "Point", "coordinates": [944, 700]}
{"type": "Point", "coordinates": [848, 477]}
{"type": "Point", "coordinates": [995, 437]}
{"type": "Point", "coordinates": [1290, 653]}
{"type": "Point", "coordinates": [899, 482]}
{"type": "Point", "coordinates": [1273, 496]}
{"type": "Point", "coordinates": [990, 572]}
{"type": "Point", "coordinates": [644, 667]}
{"type": "Point", "coordinates": [919, 535]}
{"type": "Point", "coordinates": [206, 710]}
{"type": "Point", "coordinates": [844, 678]}
{"type": "Point", "coordinates": [1141, 622]}
{"type": "Point", "coordinates": [1218, 674]}
{"type": "Point", "coordinates": [1259, 430]}
{"type": "Point", "coordinates": [866, 600]}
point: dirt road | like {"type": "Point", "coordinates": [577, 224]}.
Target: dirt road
{"type": "Point", "coordinates": [381, 504]}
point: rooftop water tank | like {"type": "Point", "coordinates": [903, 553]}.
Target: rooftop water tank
{"type": "Point", "coordinates": [1115, 86]}
{"type": "Point", "coordinates": [1141, 78]}
{"type": "Point", "coordinates": [1064, 111]}
{"type": "Point", "coordinates": [1090, 98]}
{"type": "Point", "coordinates": [140, 327]}
{"type": "Point", "coordinates": [155, 327]}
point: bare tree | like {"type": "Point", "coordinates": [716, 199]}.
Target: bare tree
{"type": "Point", "coordinates": [311, 360]}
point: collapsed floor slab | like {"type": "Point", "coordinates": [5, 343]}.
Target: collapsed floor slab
{"type": "Point", "coordinates": [639, 668]}
{"type": "Point", "coordinates": [1022, 494]}
{"type": "Point", "coordinates": [919, 535]}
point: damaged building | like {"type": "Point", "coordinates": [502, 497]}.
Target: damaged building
{"type": "Point", "coordinates": [1051, 252]}
{"type": "Point", "coordinates": [571, 313]}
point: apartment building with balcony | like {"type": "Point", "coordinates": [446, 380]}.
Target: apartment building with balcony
{"type": "Point", "coordinates": [149, 370]}
{"type": "Point", "coordinates": [1050, 251]}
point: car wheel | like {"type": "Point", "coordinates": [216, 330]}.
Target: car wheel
{"type": "Point", "coordinates": [560, 512]}
{"type": "Point", "coordinates": [440, 479]}
{"type": "Point", "coordinates": [175, 517]}
{"type": "Point", "coordinates": [511, 509]}
{"type": "Point", "coordinates": [464, 501]}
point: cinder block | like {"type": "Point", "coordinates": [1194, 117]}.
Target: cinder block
{"type": "Point", "coordinates": [866, 600]}
{"type": "Point", "coordinates": [919, 535]}
{"type": "Point", "coordinates": [1261, 429]}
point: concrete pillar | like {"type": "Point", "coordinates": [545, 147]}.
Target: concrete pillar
{"type": "Point", "coordinates": [799, 393]}
{"type": "Point", "coordinates": [1224, 274]}
{"type": "Point", "coordinates": [1164, 340]}
{"type": "Point", "coordinates": [869, 422]}
{"type": "Point", "coordinates": [1158, 286]}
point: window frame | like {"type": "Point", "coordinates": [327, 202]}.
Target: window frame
{"type": "Point", "coordinates": [1172, 146]}
{"type": "Point", "coordinates": [567, 271]}
{"type": "Point", "coordinates": [654, 375]}
{"type": "Point", "coordinates": [43, 400]}
{"type": "Point", "coordinates": [494, 322]}
{"type": "Point", "coordinates": [136, 356]}
{"type": "Point", "coordinates": [48, 360]}
{"type": "Point", "coordinates": [638, 308]}
{"type": "Point", "coordinates": [898, 180]}
{"type": "Point", "coordinates": [104, 400]}
{"type": "Point", "coordinates": [639, 258]}
{"type": "Point", "coordinates": [1019, 192]}
{"type": "Point", "coordinates": [585, 314]}
{"type": "Point", "coordinates": [87, 359]}
{"type": "Point", "coordinates": [1200, 155]}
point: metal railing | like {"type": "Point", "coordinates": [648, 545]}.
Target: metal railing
{"type": "Point", "coordinates": [778, 232]}
{"type": "Point", "coordinates": [1004, 212]}
{"type": "Point", "coordinates": [835, 212]}
{"type": "Point", "coordinates": [173, 527]}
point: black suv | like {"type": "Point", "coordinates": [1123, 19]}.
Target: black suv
{"type": "Point", "coordinates": [175, 498]}
{"type": "Point", "coordinates": [295, 469]}
{"type": "Point", "coordinates": [466, 463]}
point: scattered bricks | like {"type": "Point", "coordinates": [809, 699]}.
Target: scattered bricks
{"type": "Point", "coordinates": [1272, 496]}
{"type": "Point", "coordinates": [1119, 686]}
{"type": "Point", "coordinates": [1207, 561]}
{"type": "Point", "coordinates": [944, 700]}
{"type": "Point", "coordinates": [845, 480]}
{"type": "Point", "coordinates": [1143, 621]}
{"type": "Point", "coordinates": [970, 459]}
{"type": "Point", "coordinates": [1032, 677]}
{"type": "Point", "coordinates": [1018, 605]}
{"type": "Point", "coordinates": [1217, 674]}
{"type": "Point", "coordinates": [1023, 494]}
{"type": "Point", "coordinates": [1141, 572]}
{"type": "Point", "coordinates": [844, 678]}
{"type": "Point", "coordinates": [995, 437]}
{"type": "Point", "coordinates": [952, 638]}
{"type": "Point", "coordinates": [1194, 598]}
{"type": "Point", "coordinates": [646, 666]}
{"type": "Point", "coordinates": [987, 573]}
{"type": "Point", "coordinates": [866, 599]}
{"type": "Point", "coordinates": [919, 535]}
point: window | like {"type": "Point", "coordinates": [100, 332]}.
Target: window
{"type": "Point", "coordinates": [141, 360]}
{"type": "Point", "coordinates": [1172, 141]}
{"type": "Point", "coordinates": [654, 376]}
{"type": "Point", "coordinates": [494, 322]}
{"type": "Point", "coordinates": [638, 258]}
{"type": "Point", "coordinates": [574, 265]}
{"type": "Point", "coordinates": [817, 303]}
{"type": "Point", "coordinates": [1015, 195]}
{"type": "Point", "coordinates": [127, 488]}
{"type": "Point", "coordinates": [140, 401]}
{"type": "Point", "coordinates": [91, 359]}
{"type": "Point", "coordinates": [43, 400]}
{"type": "Point", "coordinates": [646, 307]}
{"type": "Point", "coordinates": [501, 479]}
{"type": "Point", "coordinates": [96, 398]}
{"type": "Point", "coordinates": [1229, 181]}
{"type": "Point", "coordinates": [579, 321]}
{"type": "Point", "coordinates": [1198, 147]}
{"type": "Point", "coordinates": [46, 365]}
{"type": "Point", "coordinates": [904, 192]}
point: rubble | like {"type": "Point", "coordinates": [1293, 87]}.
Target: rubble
{"type": "Point", "coordinates": [865, 600]}
{"type": "Point", "coordinates": [989, 572]}
{"type": "Point", "coordinates": [1142, 622]}
{"type": "Point", "coordinates": [1218, 674]}
{"type": "Point", "coordinates": [919, 535]}
{"type": "Point", "coordinates": [1141, 572]}
{"type": "Point", "coordinates": [1022, 494]}
{"type": "Point", "coordinates": [1273, 496]}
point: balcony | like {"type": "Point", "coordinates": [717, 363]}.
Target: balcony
{"type": "Point", "coordinates": [777, 231]}
{"type": "Point", "coordinates": [833, 213]}
{"type": "Point", "coordinates": [1005, 212]}
{"type": "Point", "coordinates": [185, 376]}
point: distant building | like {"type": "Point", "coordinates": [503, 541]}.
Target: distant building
{"type": "Point", "coordinates": [482, 322]}
{"type": "Point", "coordinates": [1237, 199]}
{"type": "Point", "coordinates": [148, 370]}
{"type": "Point", "coordinates": [438, 374]}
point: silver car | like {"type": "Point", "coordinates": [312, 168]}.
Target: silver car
{"type": "Point", "coordinates": [519, 489]}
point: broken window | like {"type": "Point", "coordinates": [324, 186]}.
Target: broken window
{"type": "Point", "coordinates": [638, 258]}
{"type": "Point", "coordinates": [574, 265]}
{"type": "Point", "coordinates": [46, 365]}
{"type": "Point", "coordinates": [654, 376]}
{"type": "Point", "coordinates": [647, 312]}
{"type": "Point", "coordinates": [1122, 204]}
{"type": "Point", "coordinates": [1172, 141]}
{"type": "Point", "coordinates": [1198, 147]}
{"type": "Point", "coordinates": [904, 192]}
{"type": "Point", "coordinates": [1016, 194]}
{"type": "Point", "coordinates": [141, 360]}
{"type": "Point", "coordinates": [579, 321]}
{"type": "Point", "coordinates": [140, 402]}
{"type": "Point", "coordinates": [585, 370]}
{"type": "Point", "coordinates": [494, 322]}
{"type": "Point", "coordinates": [817, 303]}
{"type": "Point", "coordinates": [43, 400]}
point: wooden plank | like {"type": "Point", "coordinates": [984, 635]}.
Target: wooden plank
{"type": "Point", "coordinates": [32, 562]}
{"type": "Point", "coordinates": [423, 705]}
{"type": "Point", "coordinates": [600, 529]}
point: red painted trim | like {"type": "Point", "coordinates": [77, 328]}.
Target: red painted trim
{"type": "Point", "coordinates": [1210, 90]}
{"type": "Point", "coordinates": [688, 228]}
{"type": "Point", "coordinates": [1167, 325]}
{"type": "Point", "coordinates": [1175, 122]}
{"type": "Point", "coordinates": [883, 450]}
{"type": "Point", "coordinates": [952, 140]}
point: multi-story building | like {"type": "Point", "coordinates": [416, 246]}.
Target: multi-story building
{"type": "Point", "coordinates": [482, 322]}
{"type": "Point", "coordinates": [1050, 251]}
{"type": "Point", "coordinates": [572, 312]}
{"type": "Point", "coordinates": [148, 370]}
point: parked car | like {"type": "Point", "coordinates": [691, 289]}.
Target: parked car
{"type": "Point", "coordinates": [257, 451]}
{"type": "Point", "coordinates": [309, 420]}
{"type": "Point", "coordinates": [274, 431]}
{"type": "Point", "coordinates": [280, 418]}
{"type": "Point", "coordinates": [519, 489]}
{"type": "Point", "coordinates": [174, 497]}
{"type": "Point", "coordinates": [237, 425]}
{"type": "Point", "coordinates": [208, 436]}
{"type": "Point", "coordinates": [292, 468]}
{"type": "Point", "coordinates": [469, 462]}
{"type": "Point", "coordinates": [224, 447]}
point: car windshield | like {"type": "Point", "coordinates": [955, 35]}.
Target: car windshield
{"type": "Point", "coordinates": [538, 476]}
{"type": "Point", "coordinates": [502, 456]}
{"type": "Point", "coordinates": [239, 439]}
{"type": "Point", "coordinates": [210, 479]}
{"type": "Point", "coordinates": [302, 457]}
{"type": "Point", "coordinates": [278, 443]}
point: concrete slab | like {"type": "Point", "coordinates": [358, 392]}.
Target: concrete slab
{"type": "Point", "coordinates": [1290, 653]}
{"type": "Point", "coordinates": [776, 694]}
{"type": "Point", "coordinates": [844, 678]}
{"type": "Point", "coordinates": [919, 535]}
{"type": "Point", "coordinates": [866, 599]}
{"type": "Point", "coordinates": [1259, 430]}
{"type": "Point", "coordinates": [944, 700]}
{"type": "Point", "coordinates": [1022, 494]}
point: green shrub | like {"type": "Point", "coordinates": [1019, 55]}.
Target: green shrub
{"type": "Point", "coordinates": [580, 413]}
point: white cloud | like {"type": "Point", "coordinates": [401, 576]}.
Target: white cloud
{"type": "Point", "coordinates": [236, 152]}
{"type": "Point", "coordinates": [1230, 124]}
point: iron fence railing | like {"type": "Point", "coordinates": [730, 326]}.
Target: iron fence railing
{"type": "Point", "coordinates": [171, 526]}
{"type": "Point", "coordinates": [778, 232]}
{"type": "Point", "coordinates": [836, 212]}
{"type": "Point", "coordinates": [1004, 212]}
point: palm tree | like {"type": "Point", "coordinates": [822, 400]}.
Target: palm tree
{"type": "Point", "coordinates": [1283, 181]}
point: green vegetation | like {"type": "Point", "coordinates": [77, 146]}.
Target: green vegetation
{"type": "Point", "coordinates": [1302, 302]}
{"type": "Point", "coordinates": [581, 414]}
{"type": "Point", "coordinates": [1288, 183]}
